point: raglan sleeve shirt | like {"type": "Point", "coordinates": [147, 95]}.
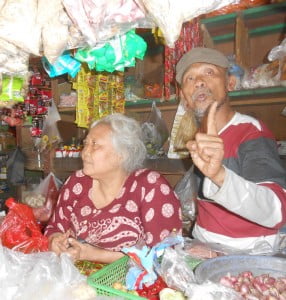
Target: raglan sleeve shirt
{"type": "Point", "coordinates": [255, 188]}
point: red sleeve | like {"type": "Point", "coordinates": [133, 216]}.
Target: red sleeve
{"type": "Point", "coordinates": [160, 208]}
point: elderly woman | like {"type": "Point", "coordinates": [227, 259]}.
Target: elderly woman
{"type": "Point", "coordinates": [112, 202]}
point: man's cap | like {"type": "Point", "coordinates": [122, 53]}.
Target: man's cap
{"type": "Point", "coordinates": [197, 55]}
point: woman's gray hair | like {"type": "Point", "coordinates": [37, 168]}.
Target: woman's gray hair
{"type": "Point", "coordinates": [127, 139]}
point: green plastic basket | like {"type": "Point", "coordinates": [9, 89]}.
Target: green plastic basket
{"type": "Point", "coordinates": [104, 279]}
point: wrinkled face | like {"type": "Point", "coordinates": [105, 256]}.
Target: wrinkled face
{"type": "Point", "coordinates": [202, 84]}
{"type": "Point", "coordinates": [98, 155]}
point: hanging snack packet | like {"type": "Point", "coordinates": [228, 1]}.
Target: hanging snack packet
{"type": "Point", "coordinates": [11, 89]}
{"type": "Point", "coordinates": [64, 64]}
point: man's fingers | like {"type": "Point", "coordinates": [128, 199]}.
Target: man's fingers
{"type": "Point", "coordinates": [211, 123]}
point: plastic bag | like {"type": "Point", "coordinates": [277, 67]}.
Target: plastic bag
{"type": "Point", "coordinates": [114, 55]}
{"type": "Point", "coordinates": [186, 190]}
{"type": "Point", "coordinates": [175, 271]}
{"type": "Point", "coordinates": [20, 231]}
{"type": "Point", "coordinates": [50, 133]}
{"type": "Point", "coordinates": [278, 52]}
{"type": "Point", "coordinates": [54, 41]}
{"type": "Point", "coordinates": [155, 132]}
{"type": "Point", "coordinates": [18, 25]}
{"type": "Point", "coordinates": [169, 15]}
{"type": "Point", "coordinates": [206, 250]}
{"type": "Point", "coordinates": [211, 291]}
{"type": "Point", "coordinates": [44, 198]}
{"type": "Point", "coordinates": [178, 274]}
{"type": "Point", "coordinates": [41, 276]}
{"type": "Point", "coordinates": [103, 20]}
{"type": "Point", "coordinates": [199, 250]}
{"type": "Point", "coordinates": [15, 167]}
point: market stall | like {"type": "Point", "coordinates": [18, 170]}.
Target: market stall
{"type": "Point", "coordinates": [65, 64]}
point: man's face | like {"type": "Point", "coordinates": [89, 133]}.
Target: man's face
{"type": "Point", "coordinates": [202, 84]}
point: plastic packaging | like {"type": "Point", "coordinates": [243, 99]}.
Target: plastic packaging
{"type": "Point", "coordinates": [41, 276]}
{"type": "Point", "coordinates": [186, 190]}
{"type": "Point", "coordinates": [63, 64]}
{"type": "Point", "coordinates": [169, 15]}
{"type": "Point", "coordinates": [16, 167]}
{"type": "Point", "coordinates": [175, 271]}
{"type": "Point", "coordinates": [48, 189]}
{"type": "Point", "coordinates": [102, 20]}
{"type": "Point", "coordinates": [278, 52]}
{"type": "Point", "coordinates": [155, 132]}
{"type": "Point", "coordinates": [211, 291]}
{"type": "Point", "coordinates": [116, 54]}
{"type": "Point", "coordinates": [18, 25]}
{"type": "Point", "coordinates": [50, 133]}
{"type": "Point", "coordinates": [54, 41]}
{"type": "Point", "coordinates": [12, 89]}
{"type": "Point", "coordinates": [20, 231]}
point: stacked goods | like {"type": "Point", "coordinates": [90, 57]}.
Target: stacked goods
{"type": "Point", "coordinates": [98, 95]}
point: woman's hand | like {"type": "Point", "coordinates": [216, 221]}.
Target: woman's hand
{"type": "Point", "coordinates": [64, 243]}
{"type": "Point", "coordinates": [58, 242]}
{"type": "Point", "coordinates": [207, 150]}
{"type": "Point", "coordinates": [84, 251]}
{"type": "Point", "coordinates": [77, 250]}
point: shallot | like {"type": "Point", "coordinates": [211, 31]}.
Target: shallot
{"type": "Point", "coordinates": [261, 287]}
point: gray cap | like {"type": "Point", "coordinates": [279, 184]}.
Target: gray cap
{"type": "Point", "coordinates": [200, 54]}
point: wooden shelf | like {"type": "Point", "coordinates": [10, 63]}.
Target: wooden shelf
{"type": "Point", "coordinates": [146, 106]}
{"type": "Point", "coordinates": [66, 109]}
{"type": "Point", "coordinates": [259, 20]}
{"type": "Point", "coordinates": [259, 96]}
{"type": "Point", "coordinates": [164, 165]}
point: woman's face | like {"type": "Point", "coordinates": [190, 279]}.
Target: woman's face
{"type": "Point", "coordinates": [98, 155]}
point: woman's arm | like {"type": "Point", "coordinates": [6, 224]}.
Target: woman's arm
{"type": "Point", "coordinates": [84, 251]}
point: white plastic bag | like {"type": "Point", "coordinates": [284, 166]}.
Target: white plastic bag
{"type": "Point", "coordinates": [50, 133]}
{"type": "Point", "coordinates": [18, 25]}
{"type": "Point", "coordinates": [39, 276]}
{"type": "Point", "coordinates": [169, 15]}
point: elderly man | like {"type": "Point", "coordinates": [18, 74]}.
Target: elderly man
{"type": "Point", "coordinates": [242, 197]}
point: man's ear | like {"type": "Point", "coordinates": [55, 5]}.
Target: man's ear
{"type": "Point", "coordinates": [231, 83]}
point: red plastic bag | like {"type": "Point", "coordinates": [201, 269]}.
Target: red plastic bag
{"type": "Point", "coordinates": [20, 231]}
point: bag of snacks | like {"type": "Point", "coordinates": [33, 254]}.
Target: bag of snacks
{"type": "Point", "coordinates": [43, 198]}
